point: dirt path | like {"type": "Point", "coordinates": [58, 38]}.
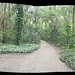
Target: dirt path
{"type": "Point", "coordinates": [46, 59]}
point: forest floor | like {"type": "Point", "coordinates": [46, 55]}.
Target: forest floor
{"type": "Point", "coordinates": [45, 59]}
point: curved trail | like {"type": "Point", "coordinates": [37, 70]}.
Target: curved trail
{"type": "Point", "coordinates": [46, 59]}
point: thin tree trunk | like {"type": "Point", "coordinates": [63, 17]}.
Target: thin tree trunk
{"type": "Point", "coordinates": [4, 25]}
{"type": "Point", "coordinates": [36, 18]}
{"type": "Point", "coordinates": [73, 30]}
{"type": "Point", "coordinates": [9, 13]}
{"type": "Point", "coordinates": [73, 18]}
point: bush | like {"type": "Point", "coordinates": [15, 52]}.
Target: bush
{"type": "Point", "coordinates": [68, 56]}
{"type": "Point", "coordinates": [45, 35]}
{"type": "Point", "coordinates": [30, 37]}
{"type": "Point", "coordinates": [25, 48]}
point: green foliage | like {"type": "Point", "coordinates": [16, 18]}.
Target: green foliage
{"type": "Point", "coordinates": [68, 56]}
{"type": "Point", "coordinates": [30, 36]}
{"type": "Point", "coordinates": [24, 48]}
{"type": "Point", "coordinates": [45, 34]}
{"type": "Point", "coordinates": [43, 19]}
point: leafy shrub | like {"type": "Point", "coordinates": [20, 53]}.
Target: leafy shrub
{"type": "Point", "coordinates": [68, 56]}
{"type": "Point", "coordinates": [25, 48]}
{"type": "Point", "coordinates": [45, 35]}
{"type": "Point", "coordinates": [30, 37]}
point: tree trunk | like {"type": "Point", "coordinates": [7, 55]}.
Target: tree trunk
{"type": "Point", "coordinates": [73, 17]}
{"type": "Point", "coordinates": [4, 25]}
{"type": "Point", "coordinates": [18, 23]}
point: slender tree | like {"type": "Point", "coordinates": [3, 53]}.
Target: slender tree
{"type": "Point", "coordinates": [36, 9]}
{"type": "Point", "coordinates": [73, 26]}
{"type": "Point", "coordinates": [73, 17]}
{"type": "Point", "coordinates": [4, 24]}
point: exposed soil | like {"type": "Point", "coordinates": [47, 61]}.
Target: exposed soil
{"type": "Point", "coordinates": [46, 59]}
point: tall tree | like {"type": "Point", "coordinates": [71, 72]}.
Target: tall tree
{"type": "Point", "coordinates": [18, 23]}
{"type": "Point", "coordinates": [4, 24]}
{"type": "Point", "coordinates": [36, 11]}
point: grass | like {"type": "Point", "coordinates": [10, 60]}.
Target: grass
{"type": "Point", "coordinates": [24, 48]}
{"type": "Point", "coordinates": [68, 56]}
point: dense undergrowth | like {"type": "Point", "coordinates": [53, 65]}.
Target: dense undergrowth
{"type": "Point", "coordinates": [68, 56]}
